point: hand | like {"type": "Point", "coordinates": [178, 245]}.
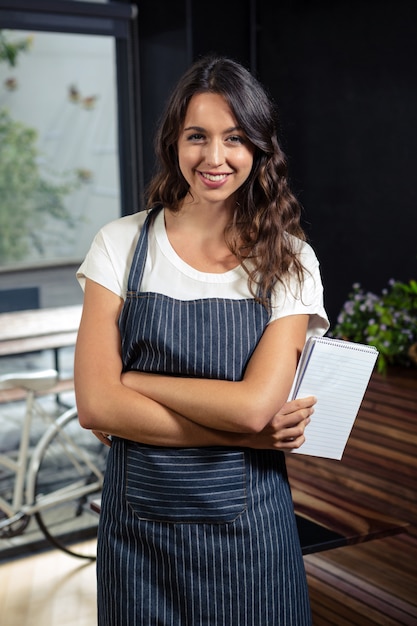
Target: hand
{"type": "Point", "coordinates": [286, 429]}
{"type": "Point", "coordinates": [103, 437]}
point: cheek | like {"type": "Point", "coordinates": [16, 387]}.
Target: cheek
{"type": "Point", "coordinates": [187, 159]}
{"type": "Point", "coordinates": [245, 162]}
{"type": "Point", "coordinates": [245, 156]}
{"type": "Point", "coordinates": [183, 164]}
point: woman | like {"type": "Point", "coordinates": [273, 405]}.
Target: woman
{"type": "Point", "coordinates": [194, 318]}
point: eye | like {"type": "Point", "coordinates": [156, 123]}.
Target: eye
{"type": "Point", "coordinates": [195, 137]}
{"type": "Point", "coordinates": [236, 139]}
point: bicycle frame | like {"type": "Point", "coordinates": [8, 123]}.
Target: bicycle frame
{"type": "Point", "coordinates": [73, 452]}
{"type": "Point", "coordinates": [19, 466]}
{"type": "Point", "coordinates": [24, 501]}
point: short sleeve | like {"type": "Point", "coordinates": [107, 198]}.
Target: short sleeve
{"type": "Point", "coordinates": [304, 299]}
{"type": "Point", "coordinates": [110, 256]}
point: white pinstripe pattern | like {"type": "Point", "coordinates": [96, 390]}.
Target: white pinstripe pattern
{"type": "Point", "coordinates": [170, 552]}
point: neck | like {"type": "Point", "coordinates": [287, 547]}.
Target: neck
{"type": "Point", "coordinates": [209, 217]}
{"type": "Point", "coordinates": [197, 236]}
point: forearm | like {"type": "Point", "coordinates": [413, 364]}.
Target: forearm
{"type": "Point", "coordinates": [122, 412]}
{"type": "Point", "coordinates": [166, 429]}
{"type": "Point", "coordinates": [183, 412]}
{"type": "Point", "coordinates": [224, 405]}
{"type": "Point", "coordinates": [104, 404]}
{"type": "Point", "coordinates": [245, 406]}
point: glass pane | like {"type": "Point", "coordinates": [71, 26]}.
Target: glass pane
{"type": "Point", "coordinates": [59, 179]}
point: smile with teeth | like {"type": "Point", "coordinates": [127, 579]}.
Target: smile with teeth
{"type": "Point", "coordinates": [215, 178]}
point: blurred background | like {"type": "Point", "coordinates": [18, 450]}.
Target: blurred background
{"type": "Point", "coordinates": [82, 85]}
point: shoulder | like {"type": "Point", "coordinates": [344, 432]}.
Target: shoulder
{"type": "Point", "coordinates": [311, 279]}
{"type": "Point", "coordinates": [304, 252]}
{"type": "Point", "coordinates": [123, 229]}
{"type": "Point", "coordinates": [117, 240]}
{"type": "Point", "coordinates": [110, 255]}
{"type": "Point", "coordinates": [292, 298]}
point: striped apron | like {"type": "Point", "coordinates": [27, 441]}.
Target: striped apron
{"type": "Point", "coordinates": [195, 536]}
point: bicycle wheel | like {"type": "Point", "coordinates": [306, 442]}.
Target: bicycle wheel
{"type": "Point", "coordinates": [66, 474]}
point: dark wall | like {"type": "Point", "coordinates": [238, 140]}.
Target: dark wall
{"type": "Point", "coordinates": [227, 28]}
{"type": "Point", "coordinates": [173, 33]}
{"type": "Point", "coordinates": [164, 52]}
{"type": "Point", "coordinates": [344, 77]}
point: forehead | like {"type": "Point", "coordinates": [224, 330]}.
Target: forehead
{"type": "Point", "coordinates": [209, 106]}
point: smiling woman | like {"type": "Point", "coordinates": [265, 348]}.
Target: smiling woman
{"type": "Point", "coordinates": [194, 316]}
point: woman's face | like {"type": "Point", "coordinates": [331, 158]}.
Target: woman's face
{"type": "Point", "coordinates": [215, 157]}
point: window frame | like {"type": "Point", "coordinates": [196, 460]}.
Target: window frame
{"type": "Point", "coordinates": [113, 19]}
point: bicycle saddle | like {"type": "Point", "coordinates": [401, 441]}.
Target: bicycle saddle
{"type": "Point", "coordinates": [31, 381]}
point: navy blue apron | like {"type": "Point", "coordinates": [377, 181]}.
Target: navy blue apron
{"type": "Point", "coordinates": [195, 536]}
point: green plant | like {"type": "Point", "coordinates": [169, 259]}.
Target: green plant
{"type": "Point", "coordinates": [10, 50]}
{"type": "Point", "coordinates": [387, 321]}
{"type": "Point", "coordinates": [30, 201]}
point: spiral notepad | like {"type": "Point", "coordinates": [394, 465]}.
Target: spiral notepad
{"type": "Point", "coordinates": [336, 372]}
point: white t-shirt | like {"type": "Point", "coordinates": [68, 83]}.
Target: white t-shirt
{"type": "Point", "coordinates": [110, 257]}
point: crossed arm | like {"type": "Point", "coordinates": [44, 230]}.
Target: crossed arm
{"type": "Point", "coordinates": [167, 411]}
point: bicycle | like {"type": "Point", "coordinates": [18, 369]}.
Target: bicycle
{"type": "Point", "coordinates": [53, 479]}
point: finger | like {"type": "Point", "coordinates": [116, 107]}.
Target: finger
{"type": "Point", "coordinates": [103, 437]}
{"type": "Point", "coordinates": [300, 403]}
{"type": "Point", "coordinates": [294, 444]}
{"type": "Point", "coordinates": [291, 420]}
{"type": "Point", "coordinates": [293, 432]}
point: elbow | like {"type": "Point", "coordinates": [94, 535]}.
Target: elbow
{"type": "Point", "coordinates": [87, 418]}
{"type": "Point", "coordinates": [254, 408]}
{"type": "Point", "coordinates": [99, 407]}
{"type": "Point", "coordinates": [254, 426]}
{"type": "Point", "coordinates": [254, 419]}
{"type": "Point", "coordinates": [91, 414]}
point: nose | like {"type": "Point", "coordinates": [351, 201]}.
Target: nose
{"type": "Point", "coordinates": [214, 153]}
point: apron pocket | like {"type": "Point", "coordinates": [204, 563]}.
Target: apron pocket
{"type": "Point", "coordinates": [186, 485]}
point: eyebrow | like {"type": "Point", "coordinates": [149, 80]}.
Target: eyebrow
{"type": "Point", "coordinates": [200, 129]}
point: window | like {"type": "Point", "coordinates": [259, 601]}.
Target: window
{"type": "Point", "coordinates": [70, 146]}
{"type": "Point", "coordinates": [59, 168]}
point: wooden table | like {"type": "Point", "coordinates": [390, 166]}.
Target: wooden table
{"type": "Point", "coordinates": [324, 525]}
{"type": "Point", "coordinates": [38, 329]}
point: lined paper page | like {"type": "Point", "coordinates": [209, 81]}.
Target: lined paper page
{"type": "Point", "coordinates": [337, 373]}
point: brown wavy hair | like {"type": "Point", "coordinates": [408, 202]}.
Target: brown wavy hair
{"type": "Point", "coordinates": [266, 210]}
